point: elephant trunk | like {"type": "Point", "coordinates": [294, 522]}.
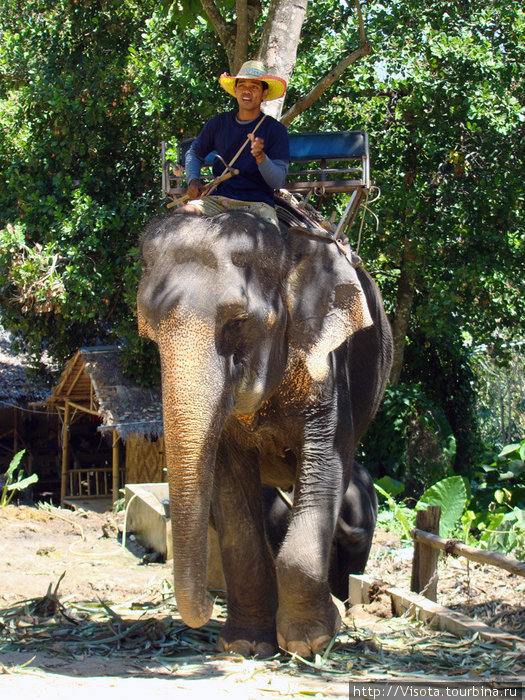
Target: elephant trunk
{"type": "Point", "coordinates": [195, 408]}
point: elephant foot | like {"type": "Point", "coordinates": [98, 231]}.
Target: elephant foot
{"type": "Point", "coordinates": [304, 634]}
{"type": "Point", "coordinates": [247, 642]}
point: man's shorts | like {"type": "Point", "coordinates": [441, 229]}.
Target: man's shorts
{"type": "Point", "coordinates": [214, 204]}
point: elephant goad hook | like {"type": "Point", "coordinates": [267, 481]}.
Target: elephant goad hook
{"type": "Point", "coordinates": [209, 188]}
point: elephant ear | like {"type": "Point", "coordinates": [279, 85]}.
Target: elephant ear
{"type": "Point", "coordinates": [325, 300]}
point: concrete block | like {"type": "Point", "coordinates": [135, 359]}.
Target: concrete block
{"type": "Point", "coordinates": [147, 516]}
{"type": "Point", "coordinates": [148, 519]}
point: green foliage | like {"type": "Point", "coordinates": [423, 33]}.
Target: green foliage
{"type": "Point", "coordinates": [506, 469]}
{"type": "Point", "coordinates": [410, 440]}
{"type": "Point", "coordinates": [75, 187]}
{"type": "Point", "coordinates": [450, 173]}
{"type": "Point", "coordinates": [443, 99]}
{"type": "Point", "coordinates": [498, 503]}
{"type": "Point", "coordinates": [87, 92]}
{"type": "Point", "coordinates": [14, 480]}
{"type": "Point", "coordinates": [389, 486]}
{"type": "Point", "coordinates": [451, 496]}
{"type": "Point", "coordinates": [393, 515]}
{"type": "Point", "coordinates": [500, 390]}
{"type": "Point", "coordinates": [443, 366]}
{"type": "Point", "coordinates": [488, 513]}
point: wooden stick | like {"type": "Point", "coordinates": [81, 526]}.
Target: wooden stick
{"type": "Point", "coordinates": [514, 566]}
{"type": "Point", "coordinates": [115, 464]}
{"type": "Point", "coordinates": [222, 178]}
{"type": "Point", "coordinates": [424, 565]}
{"type": "Point", "coordinates": [65, 452]}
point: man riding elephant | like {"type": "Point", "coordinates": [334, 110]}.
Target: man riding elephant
{"type": "Point", "coordinates": [255, 143]}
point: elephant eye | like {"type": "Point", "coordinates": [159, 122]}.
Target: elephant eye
{"type": "Point", "coordinates": [232, 336]}
{"type": "Point", "coordinates": [235, 324]}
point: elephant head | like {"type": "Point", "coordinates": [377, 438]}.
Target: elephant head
{"type": "Point", "coordinates": [231, 304]}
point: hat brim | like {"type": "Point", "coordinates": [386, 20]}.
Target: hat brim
{"type": "Point", "coordinates": [276, 86]}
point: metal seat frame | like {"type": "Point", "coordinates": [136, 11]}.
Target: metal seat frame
{"type": "Point", "coordinates": [327, 159]}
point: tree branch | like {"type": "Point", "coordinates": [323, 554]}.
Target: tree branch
{"type": "Point", "coordinates": [224, 29]}
{"type": "Point", "coordinates": [362, 32]}
{"type": "Point", "coordinates": [254, 9]}
{"type": "Point", "coordinates": [323, 85]}
{"type": "Point", "coordinates": [325, 82]}
{"type": "Point", "coordinates": [241, 36]}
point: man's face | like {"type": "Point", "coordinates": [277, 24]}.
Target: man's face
{"type": "Point", "coordinates": [249, 94]}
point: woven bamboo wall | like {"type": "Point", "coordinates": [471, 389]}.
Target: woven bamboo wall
{"type": "Point", "coordinates": [144, 460]}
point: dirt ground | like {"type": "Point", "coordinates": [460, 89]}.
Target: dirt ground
{"type": "Point", "coordinates": [97, 589]}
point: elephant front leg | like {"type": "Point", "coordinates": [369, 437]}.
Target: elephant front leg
{"type": "Point", "coordinates": [246, 559]}
{"type": "Point", "coordinates": [307, 617]}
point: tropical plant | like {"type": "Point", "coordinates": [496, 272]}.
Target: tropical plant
{"type": "Point", "coordinates": [497, 511]}
{"type": "Point", "coordinates": [488, 512]}
{"type": "Point", "coordinates": [14, 480]}
{"type": "Point", "coordinates": [451, 495]}
{"type": "Point", "coordinates": [393, 515]}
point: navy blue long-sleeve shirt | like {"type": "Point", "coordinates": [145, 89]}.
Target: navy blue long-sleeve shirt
{"type": "Point", "coordinates": [225, 134]}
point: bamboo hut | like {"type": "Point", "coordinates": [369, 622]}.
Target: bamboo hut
{"type": "Point", "coordinates": [20, 422]}
{"type": "Point", "coordinates": [94, 393]}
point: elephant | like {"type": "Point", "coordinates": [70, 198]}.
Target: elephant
{"type": "Point", "coordinates": [351, 542]}
{"type": "Point", "coordinates": [275, 351]}
{"type": "Point", "coordinates": [353, 534]}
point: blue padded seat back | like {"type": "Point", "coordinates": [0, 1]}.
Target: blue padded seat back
{"type": "Point", "coordinates": [338, 145]}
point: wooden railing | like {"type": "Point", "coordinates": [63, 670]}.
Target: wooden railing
{"type": "Point", "coordinates": [94, 482]}
{"type": "Point", "coordinates": [427, 544]}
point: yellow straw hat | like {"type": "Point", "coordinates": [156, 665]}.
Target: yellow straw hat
{"type": "Point", "coordinates": [255, 70]}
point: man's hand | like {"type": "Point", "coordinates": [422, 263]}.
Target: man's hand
{"type": "Point", "coordinates": [257, 148]}
{"type": "Point", "coordinates": [195, 189]}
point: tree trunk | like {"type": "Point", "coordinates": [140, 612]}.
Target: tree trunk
{"type": "Point", "coordinates": [404, 301]}
{"type": "Point", "coordinates": [279, 42]}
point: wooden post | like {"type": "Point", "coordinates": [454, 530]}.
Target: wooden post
{"type": "Point", "coordinates": [116, 461]}
{"type": "Point", "coordinates": [424, 566]}
{"type": "Point", "coordinates": [15, 430]}
{"type": "Point", "coordinates": [65, 452]}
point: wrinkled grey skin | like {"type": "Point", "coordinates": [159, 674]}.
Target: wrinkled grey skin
{"type": "Point", "coordinates": [273, 364]}
{"type": "Point", "coordinates": [353, 533]}
{"type": "Point", "coordinates": [351, 542]}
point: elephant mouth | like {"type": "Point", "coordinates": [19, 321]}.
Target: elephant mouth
{"type": "Point", "coordinates": [248, 398]}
